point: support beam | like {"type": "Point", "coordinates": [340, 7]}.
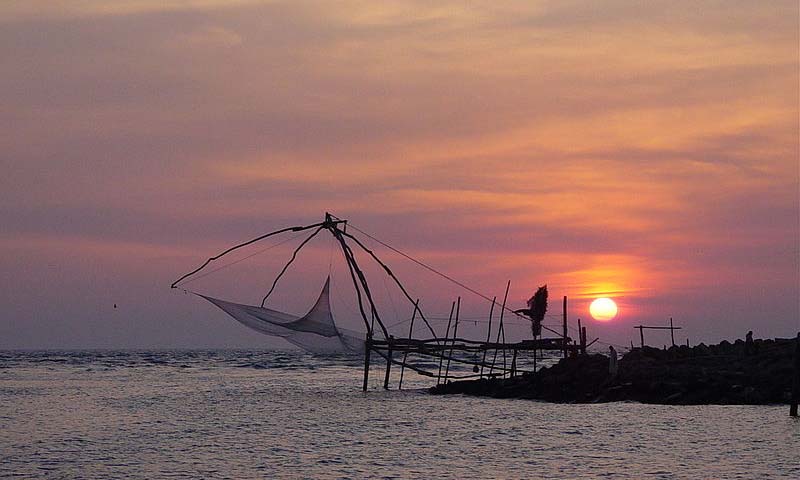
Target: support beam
{"type": "Point", "coordinates": [388, 364]}
{"type": "Point", "coordinates": [565, 326]}
{"type": "Point", "coordinates": [489, 333]}
{"type": "Point", "coordinates": [796, 380]}
{"type": "Point", "coordinates": [446, 334]}
{"type": "Point", "coordinates": [672, 331]}
{"type": "Point", "coordinates": [367, 351]}
{"type": "Point", "coordinates": [455, 335]}
{"type": "Point", "coordinates": [405, 355]}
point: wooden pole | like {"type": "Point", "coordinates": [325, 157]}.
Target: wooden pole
{"type": "Point", "coordinates": [672, 331]}
{"type": "Point", "coordinates": [501, 331]}
{"type": "Point", "coordinates": [367, 351]}
{"type": "Point", "coordinates": [388, 363]}
{"type": "Point", "coordinates": [405, 354]}
{"type": "Point", "coordinates": [641, 334]}
{"type": "Point", "coordinates": [446, 335]}
{"type": "Point", "coordinates": [455, 335]}
{"type": "Point", "coordinates": [502, 328]}
{"type": "Point", "coordinates": [796, 381]}
{"type": "Point", "coordinates": [565, 326]}
{"type": "Point", "coordinates": [583, 340]}
{"type": "Point", "coordinates": [489, 334]}
{"type": "Point", "coordinates": [514, 364]}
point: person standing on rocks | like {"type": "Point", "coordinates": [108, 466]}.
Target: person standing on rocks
{"type": "Point", "coordinates": [748, 344]}
{"type": "Point", "coordinates": [613, 366]}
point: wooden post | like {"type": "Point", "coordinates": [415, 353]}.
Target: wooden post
{"type": "Point", "coordinates": [405, 354]}
{"type": "Point", "coordinates": [565, 326]}
{"type": "Point", "coordinates": [388, 363]}
{"type": "Point", "coordinates": [514, 364]}
{"type": "Point", "coordinates": [367, 351]}
{"type": "Point", "coordinates": [444, 345]}
{"type": "Point", "coordinates": [500, 331]}
{"type": "Point", "coordinates": [455, 335]}
{"type": "Point", "coordinates": [489, 334]}
{"type": "Point", "coordinates": [641, 334]}
{"type": "Point", "coordinates": [583, 340]}
{"type": "Point", "coordinates": [672, 331]}
{"type": "Point", "coordinates": [796, 380]}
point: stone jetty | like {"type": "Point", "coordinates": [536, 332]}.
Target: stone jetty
{"type": "Point", "coordinates": [727, 374]}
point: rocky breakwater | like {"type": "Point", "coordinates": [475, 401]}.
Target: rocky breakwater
{"type": "Point", "coordinates": [727, 373]}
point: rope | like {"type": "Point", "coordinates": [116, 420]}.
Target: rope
{"type": "Point", "coordinates": [433, 270]}
{"type": "Point", "coordinates": [239, 261]}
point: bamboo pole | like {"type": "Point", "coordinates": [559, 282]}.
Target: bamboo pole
{"type": "Point", "coordinates": [405, 354]}
{"type": "Point", "coordinates": [446, 334]}
{"type": "Point", "coordinates": [564, 324]}
{"type": "Point", "coordinates": [672, 331]}
{"type": "Point", "coordinates": [514, 364]}
{"type": "Point", "coordinates": [583, 340]}
{"type": "Point", "coordinates": [501, 331]}
{"type": "Point", "coordinates": [388, 363]}
{"type": "Point", "coordinates": [455, 335]}
{"type": "Point", "coordinates": [796, 380]}
{"type": "Point", "coordinates": [367, 351]}
{"type": "Point", "coordinates": [489, 333]}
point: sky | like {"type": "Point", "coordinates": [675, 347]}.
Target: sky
{"type": "Point", "coordinates": [644, 151]}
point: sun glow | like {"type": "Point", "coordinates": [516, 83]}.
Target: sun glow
{"type": "Point", "coordinates": [603, 309]}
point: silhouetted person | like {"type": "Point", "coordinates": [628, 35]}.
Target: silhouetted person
{"type": "Point", "coordinates": [749, 346]}
{"type": "Point", "coordinates": [613, 366]}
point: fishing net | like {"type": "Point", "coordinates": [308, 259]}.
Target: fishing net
{"type": "Point", "coordinates": [315, 332]}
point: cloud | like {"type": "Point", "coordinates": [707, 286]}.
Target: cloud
{"type": "Point", "coordinates": [626, 147]}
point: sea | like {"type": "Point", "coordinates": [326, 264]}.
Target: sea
{"type": "Point", "coordinates": [241, 414]}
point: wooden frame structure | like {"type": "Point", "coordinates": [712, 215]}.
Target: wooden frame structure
{"type": "Point", "coordinates": [446, 350]}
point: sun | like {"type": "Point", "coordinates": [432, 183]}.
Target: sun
{"type": "Point", "coordinates": [603, 309]}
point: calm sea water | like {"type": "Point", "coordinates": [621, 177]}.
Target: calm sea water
{"type": "Point", "coordinates": [245, 414]}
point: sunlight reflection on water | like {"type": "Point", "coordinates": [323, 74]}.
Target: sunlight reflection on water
{"type": "Point", "coordinates": [244, 414]}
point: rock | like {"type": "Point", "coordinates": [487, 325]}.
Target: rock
{"type": "Point", "coordinates": [716, 374]}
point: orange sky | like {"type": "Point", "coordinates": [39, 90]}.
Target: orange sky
{"type": "Point", "coordinates": [643, 150]}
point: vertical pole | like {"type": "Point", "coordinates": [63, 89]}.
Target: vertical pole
{"type": "Point", "coordinates": [488, 334]}
{"type": "Point", "coordinates": [672, 331]}
{"type": "Point", "coordinates": [388, 362]}
{"type": "Point", "coordinates": [455, 335]}
{"type": "Point", "coordinates": [641, 334]}
{"type": "Point", "coordinates": [583, 340]}
{"type": "Point", "coordinates": [502, 328]}
{"type": "Point", "coordinates": [367, 351]}
{"type": "Point", "coordinates": [514, 364]}
{"type": "Point", "coordinates": [796, 381]}
{"type": "Point", "coordinates": [565, 326]}
{"type": "Point", "coordinates": [405, 354]}
{"type": "Point", "coordinates": [501, 331]}
{"type": "Point", "coordinates": [444, 344]}
{"type": "Point", "coordinates": [580, 337]}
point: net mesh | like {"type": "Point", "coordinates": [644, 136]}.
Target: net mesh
{"type": "Point", "coordinates": [315, 332]}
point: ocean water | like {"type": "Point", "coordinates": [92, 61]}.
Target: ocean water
{"type": "Point", "coordinates": [262, 414]}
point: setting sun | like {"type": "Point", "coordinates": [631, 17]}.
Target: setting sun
{"type": "Point", "coordinates": [603, 309]}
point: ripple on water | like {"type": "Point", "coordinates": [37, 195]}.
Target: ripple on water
{"type": "Point", "coordinates": [245, 414]}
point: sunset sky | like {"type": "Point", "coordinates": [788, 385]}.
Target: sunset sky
{"type": "Point", "coordinates": [645, 151]}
